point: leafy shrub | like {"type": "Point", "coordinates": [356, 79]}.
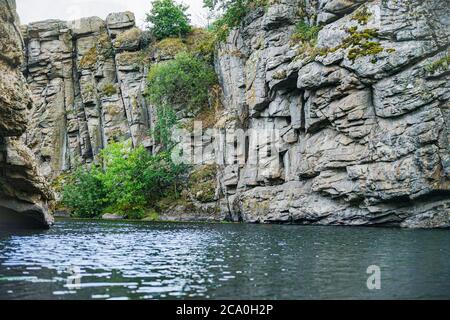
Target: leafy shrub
{"type": "Point", "coordinates": [168, 19]}
{"type": "Point", "coordinates": [183, 81]}
{"type": "Point", "coordinates": [133, 180]}
{"type": "Point", "coordinates": [85, 194]}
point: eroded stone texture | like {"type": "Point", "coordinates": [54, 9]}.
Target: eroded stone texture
{"type": "Point", "coordinates": [351, 129]}
{"type": "Point", "coordinates": [24, 194]}
{"type": "Point", "coordinates": [359, 140]}
{"type": "Point", "coordinates": [87, 85]}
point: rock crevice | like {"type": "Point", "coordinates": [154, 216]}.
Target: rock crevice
{"type": "Point", "coordinates": [349, 127]}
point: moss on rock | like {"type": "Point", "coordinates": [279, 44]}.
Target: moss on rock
{"type": "Point", "coordinates": [202, 183]}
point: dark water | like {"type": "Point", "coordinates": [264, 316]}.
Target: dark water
{"type": "Point", "coordinates": [123, 260]}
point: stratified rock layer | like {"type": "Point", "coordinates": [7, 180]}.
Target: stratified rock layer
{"type": "Point", "coordinates": [24, 194]}
{"type": "Point", "coordinates": [362, 130]}
{"type": "Point", "coordinates": [350, 128]}
{"type": "Point", "coordinates": [87, 87]}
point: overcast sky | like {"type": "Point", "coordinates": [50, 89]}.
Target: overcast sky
{"type": "Point", "coordinates": [32, 10]}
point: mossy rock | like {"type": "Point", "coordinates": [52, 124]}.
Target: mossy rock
{"type": "Point", "coordinates": [129, 38]}
{"type": "Point", "coordinates": [203, 183]}
{"type": "Point", "coordinates": [442, 64]}
{"type": "Point", "coordinates": [170, 47]}
{"type": "Point", "coordinates": [89, 59]}
{"type": "Point", "coordinates": [109, 89]}
{"type": "Point", "coordinates": [129, 58]}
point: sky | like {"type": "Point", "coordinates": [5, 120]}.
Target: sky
{"type": "Point", "coordinates": [32, 10]}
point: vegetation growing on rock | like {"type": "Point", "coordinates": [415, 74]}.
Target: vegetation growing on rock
{"type": "Point", "coordinates": [170, 46]}
{"type": "Point", "coordinates": [442, 64]}
{"type": "Point", "coordinates": [362, 15]}
{"type": "Point", "coordinates": [168, 19]}
{"type": "Point", "coordinates": [130, 183]}
{"type": "Point", "coordinates": [202, 183]}
{"type": "Point", "coordinates": [183, 81]}
{"type": "Point", "coordinates": [362, 43]}
{"type": "Point", "coordinates": [234, 11]}
{"type": "Point", "coordinates": [305, 33]}
{"type": "Point", "coordinates": [109, 89]}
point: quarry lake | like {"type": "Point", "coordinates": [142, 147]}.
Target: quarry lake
{"type": "Point", "coordinates": [127, 260]}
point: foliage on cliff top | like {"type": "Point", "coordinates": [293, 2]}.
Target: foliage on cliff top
{"type": "Point", "coordinates": [234, 11]}
{"type": "Point", "coordinates": [183, 81]}
{"type": "Point", "coordinates": [199, 42]}
{"type": "Point", "coordinates": [168, 19]}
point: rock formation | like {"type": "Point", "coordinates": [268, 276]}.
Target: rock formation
{"type": "Point", "coordinates": [361, 113]}
{"type": "Point", "coordinates": [24, 194]}
{"type": "Point", "coordinates": [349, 127]}
{"type": "Point", "coordinates": [87, 86]}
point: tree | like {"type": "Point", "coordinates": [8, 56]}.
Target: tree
{"type": "Point", "coordinates": [85, 194]}
{"type": "Point", "coordinates": [168, 19]}
{"type": "Point", "coordinates": [231, 13]}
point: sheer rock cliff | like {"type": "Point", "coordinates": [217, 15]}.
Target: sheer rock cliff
{"type": "Point", "coordinates": [24, 194]}
{"type": "Point", "coordinates": [348, 128]}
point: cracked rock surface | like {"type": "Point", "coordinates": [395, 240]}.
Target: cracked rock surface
{"type": "Point", "coordinates": [24, 194]}
{"type": "Point", "coordinates": [368, 136]}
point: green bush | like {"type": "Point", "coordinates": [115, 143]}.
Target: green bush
{"type": "Point", "coordinates": [85, 194]}
{"type": "Point", "coordinates": [133, 181]}
{"type": "Point", "coordinates": [183, 81]}
{"type": "Point", "coordinates": [168, 19]}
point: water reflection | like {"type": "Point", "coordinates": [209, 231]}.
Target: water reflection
{"type": "Point", "coordinates": [121, 260]}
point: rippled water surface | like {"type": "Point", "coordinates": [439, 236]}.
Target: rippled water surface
{"type": "Point", "coordinates": [124, 260]}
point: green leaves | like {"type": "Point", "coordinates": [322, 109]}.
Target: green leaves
{"type": "Point", "coordinates": [85, 193]}
{"type": "Point", "coordinates": [133, 180]}
{"type": "Point", "coordinates": [234, 11]}
{"type": "Point", "coordinates": [181, 82]}
{"type": "Point", "coordinates": [168, 19]}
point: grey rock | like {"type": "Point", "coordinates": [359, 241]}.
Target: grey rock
{"type": "Point", "coordinates": [24, 194]}
{"type": "Point", "coordinates": [109, 216]}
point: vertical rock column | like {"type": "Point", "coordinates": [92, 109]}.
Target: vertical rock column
{"type": "Point", "coordinates": [24, 194]}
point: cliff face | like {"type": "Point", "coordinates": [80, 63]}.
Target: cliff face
{"type": "Point", "coordinates": [360, 119]}
{"type": "Point", "coordinates": [87, 85]}
{"type": "Point", "coordinates": [23, 192]}
{"type": "Point", "coordinates": [346, 128]}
